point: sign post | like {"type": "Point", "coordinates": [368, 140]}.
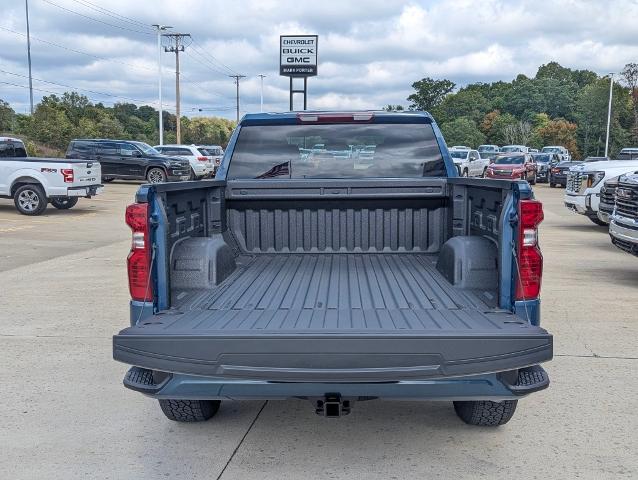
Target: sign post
{"type": "Point", "coordinates": [298, 59]}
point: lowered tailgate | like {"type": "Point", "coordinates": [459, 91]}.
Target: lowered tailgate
{"type": "Point", "coordinates": [326, 318]}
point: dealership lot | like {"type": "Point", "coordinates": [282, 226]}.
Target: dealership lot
{"type": "Point", "coordinates": [64, 293]}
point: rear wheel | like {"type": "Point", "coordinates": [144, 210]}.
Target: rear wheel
{"type": "Point", "coordinates": [552, 185]}
{"type": "Point", "coordinates": [107, 179]}
{"type": "Point", "coordinates": [485, 413]}
{"type": "Point", "coordinates": [64, 203]}
{"type": "Point", "coordinates": [484, 174]}
{"type": "Point", "coordinates": [156, 175]}
{"type": "Point", "coordinates": [465, 174]}
{"type": "Point", "coordinates": [533, 182]}
{"type": "Point", "coordinates": [30, 200]}
{"type": "Point", "coordinates": [189, 410]}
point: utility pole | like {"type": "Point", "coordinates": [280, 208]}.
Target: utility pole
{"type": "Point", "coordinates": [159, 29]}
{"type": "Point", "coordinates": [611, 84]}
{"type": "Point", "coordinates": [261, 92]}
{"type": "Point", "coordinates": [178, 46]}
{"type": "Point", "coordinates": [26, 5]}
{"type": "Point", "coordinates": [237, 78]}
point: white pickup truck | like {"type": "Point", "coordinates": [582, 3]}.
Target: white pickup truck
{"type": "Point", "coordinates": [34, 182]}
{"type": "Point", "coordinates": [584, 181]}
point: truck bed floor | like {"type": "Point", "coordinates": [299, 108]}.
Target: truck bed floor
{"type": "Point", "coordinates": [334, 292]}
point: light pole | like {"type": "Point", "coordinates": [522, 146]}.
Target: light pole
{"type": "Point", "coordinates": [611, 84]}
{"type": "Point", "coordinates": [159, 28]}
{"type": "Point", "coordinates": [26, 6]}
{"type": "Point", "coordinates": [261, 92]}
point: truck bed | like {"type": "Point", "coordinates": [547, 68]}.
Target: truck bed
{"type": "Point", "coordinates": [327, 317]}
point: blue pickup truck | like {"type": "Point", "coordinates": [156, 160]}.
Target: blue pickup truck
{"type": "Point", "coordinates": [359, 270]}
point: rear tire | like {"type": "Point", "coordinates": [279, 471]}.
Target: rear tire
{"type": "Point", "coordinates": [465, 174]}
{"type": "Point", "coordinates": [598, 221]}
{"type": "Point", "coordinates": [552, 185]}
{"type": "Point", "coordinates": [156, 175]}
{"type": "Point", "coordinates": [107, 179]}
{"type": "Point", "coordinates": [30, 200]}
{"type": "Point", "coordinates": [484, 174]}
{"type": "Point", "coordinates": [64, 203]}
{"type": "Point", "coordinates": [485, 413]}
{"type": "Point", "coordinates": [533, 182]}
{"type": "Point", "coordinates": [189, 410]}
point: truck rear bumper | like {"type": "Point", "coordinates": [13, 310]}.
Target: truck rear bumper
{"type": "Point", "coordinates": [495, 387]}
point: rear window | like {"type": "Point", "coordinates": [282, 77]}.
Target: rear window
{"type": "Point", "coordinates": [510, 160]}
{"type": "Point", "coordinates": [336, 151]}
{"type": "Point", "coordinates": [12, 149]}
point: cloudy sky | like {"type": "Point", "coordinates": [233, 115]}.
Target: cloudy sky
{"type": "Point", "coordinates": [369, 51]}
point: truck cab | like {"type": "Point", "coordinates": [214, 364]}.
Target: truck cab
{"type": "Point", "coordinates": [584, 182]}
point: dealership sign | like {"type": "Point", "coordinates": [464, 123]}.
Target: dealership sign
{"type": "Point", "coordinates": [298, 55]}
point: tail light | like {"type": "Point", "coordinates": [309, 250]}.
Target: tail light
{"type": "Point", "coordinates": [139, 259]}
{"type": "Point", "coordinates": [335, 117]}
{"type": "Point", "coordinates": [530, 259]}
{"type": "Point", "coordinates": [67, 175]}
{"type": "Point", "coordinates": [202, 159]}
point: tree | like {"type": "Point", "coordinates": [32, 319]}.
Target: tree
{"type": "Point", "coordinates": [470, 103]}
{"type": "Point", "coordinates": [630, 75]}
{"type": "Point", "coordinates": [500, 124]}
{"type": "Point", "coordinates": [518, 133]}
{"type": "Point", "coordinates": [429, 93]}
{"type": "Point", "coordinates": [560, 132]}
{"type": "Point", "coordinates": [393, 108]}
{"type": "Point", "coordinates": [7, 117]}
{"type": "Point", "coordinates": [462, 131]}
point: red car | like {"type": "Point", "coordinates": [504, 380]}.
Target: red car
{"type": "Point", "coordinates": [513, 166]}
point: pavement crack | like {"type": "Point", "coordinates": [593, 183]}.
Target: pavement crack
{"type": "Point", "coordinates": [595, 355]}
{"type": "Point", "coordinates": [230, 459]}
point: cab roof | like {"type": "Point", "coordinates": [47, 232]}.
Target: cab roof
{"type": "Point", "coordinates": [350, 116]}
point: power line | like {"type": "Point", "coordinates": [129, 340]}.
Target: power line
{"type": "Point", "coordinates": [212, 58]}
{"type": "Point", "coordinates": [110, 13]}
{"type": "Point", "coordinates": [52, 92]}
{"type": "Point", "coordinates": [95, 19]}
{"type": "Point", "coordinates": [137, 100]}
{"type": "Point", "coordinates": [79, 51]}
{"type": "Point", "coordinates": [207, 64]}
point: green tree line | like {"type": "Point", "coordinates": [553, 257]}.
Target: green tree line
{"type": "Point", "coordinates": [558, 106]}
{"type": "Point", "coordinates": [58, 119]}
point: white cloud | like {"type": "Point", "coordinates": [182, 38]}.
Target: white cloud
{"type": "Point", "coordinates": [369, 52]}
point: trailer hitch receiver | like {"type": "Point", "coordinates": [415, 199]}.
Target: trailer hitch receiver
{"type": "Point", "coordinates": [332, 406]}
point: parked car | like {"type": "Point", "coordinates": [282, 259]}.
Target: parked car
{"type": "Point", "coordinates": [33, 183]}
{"type": "Point", "coordinates": [215, 151]}
{"type": "Point", "coordinates": [607, 199]}
{"type": "Point", "coordinates": [584, 181]}
{"type": "Point", "coordinates": [623, 226]}
{"type": "Point", "coordinates": [469, 162]}
{"type": "Point", "coordinates": [460, 147]}
{"type": "Point", "coordinates": [201, 163]}
{"type": "Point", "coordinates": [560, 150]}
{"type": "Point", "coordinates": [488, 151]}
{"type": "Point", "coordinates": [129, 160]}
{"type": "Point", "coordinates": [628, 154]}
{"type": "Point", "coordinates": [533, 150]}
{"type": "Point", "coordinates": [544, 163]}
{"type": "Point", "coordinates": [12, 147]}
{"type": "Point", "coordinates": [513, 166]}
{"type": "Point", "coordinates": [291, 279]}
{"type": "Point", "coordinates": [514, 149]}
{"type": "Point", "coordinates": [558, 173]}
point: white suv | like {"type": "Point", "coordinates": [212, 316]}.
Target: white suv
{"type": "Point", "coordinates": [558, 149]}
{"type": "Point", "coordinates": [469, 162]}
{"type": "Point", "coordinates": [201, 162]}
{"type": "Point", "coordinates": [584, 181]}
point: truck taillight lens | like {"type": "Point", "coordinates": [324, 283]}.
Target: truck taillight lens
{"type": "Point", "coordinates": [202, 159]}
{"type": "Point", "coordinates": [139, 259]}
{"type": "Point", "coordinates": [530, 259]}
{"type": "Point", "coordinates": [67, 175]}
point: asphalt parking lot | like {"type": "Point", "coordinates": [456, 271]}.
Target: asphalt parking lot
{"type": "Point", "coordinates": [66, 415]}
